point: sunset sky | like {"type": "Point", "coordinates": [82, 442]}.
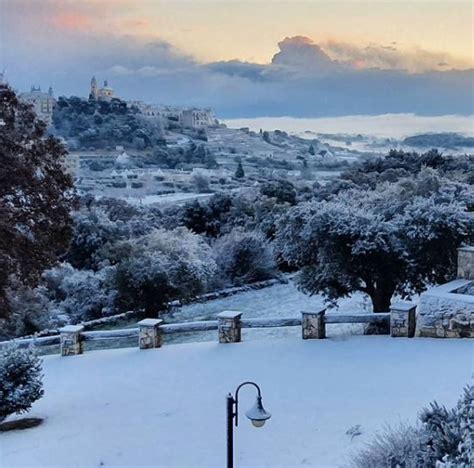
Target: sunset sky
{"type": "Point", "coordinates": [217, 47]}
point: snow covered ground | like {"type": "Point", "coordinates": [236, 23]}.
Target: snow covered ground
{"type": "Point", "coordinates": [167, 199]}
{"type": "Point", "coordinates": [166, 407]}
{"type": "Point", "coordinates": [280, 300]}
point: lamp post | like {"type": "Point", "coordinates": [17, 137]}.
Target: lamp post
{"type": "Point", "coordinates": [256, 414]}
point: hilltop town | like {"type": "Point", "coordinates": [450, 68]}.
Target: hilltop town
{"type": "Point", "coordinates": [148, 153]}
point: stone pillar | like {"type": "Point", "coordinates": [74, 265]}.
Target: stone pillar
{"type": "Point", "coordinates": [402, 319]}
{"type": "Point", "coordinates": [466, 262]}
{"type": "Point", "coordinates": [229, 326]}
{"type": "Point", "coordinates": [149, 335]}
{"type": "Point", "coordinates": [313, 325]}
{"type": "Point", "coordinates": [71, 342]}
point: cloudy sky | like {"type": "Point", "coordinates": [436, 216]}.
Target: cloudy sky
{"type": "Point", "coordinates": [249, 58]}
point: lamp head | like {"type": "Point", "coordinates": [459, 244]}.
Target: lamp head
{"type": "Point", "coordinates": [257, 414]}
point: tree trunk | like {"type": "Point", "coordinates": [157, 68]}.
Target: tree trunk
{"type": "Point", "coordinates": [381, 298]}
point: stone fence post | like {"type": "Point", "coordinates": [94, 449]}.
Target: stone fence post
{"type": "Point", "coordinates": [149, 334]}
{"type": "Point", "coordinates": [466, 262]}
{"type": "Point", "coordinates": [313, 325]}
{"type": "Point", "coordinates": [229, 326]}
{"type": "Point", "coordinates": [402, 319]}
{"type": "Point", "coordinates": [71, 341]}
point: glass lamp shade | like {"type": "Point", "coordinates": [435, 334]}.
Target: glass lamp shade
{"type": "Point", "coordinates": [257, 413]}
{"type": "Point", "coordinates": [258, 423]}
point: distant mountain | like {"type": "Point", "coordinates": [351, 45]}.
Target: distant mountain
{"type": "Point", "coordinates": [439, 140]}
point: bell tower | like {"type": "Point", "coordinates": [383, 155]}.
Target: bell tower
{"type": "Point", "coordinates": [94, 94]}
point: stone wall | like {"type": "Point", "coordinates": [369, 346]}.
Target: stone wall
{"type": "Point", "coordinates": [445, 313]}
{"type": "Point", "coordinates": [203, 298]}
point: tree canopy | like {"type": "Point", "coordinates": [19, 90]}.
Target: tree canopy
{"type": "Point", "coordinates": [36, 196]}
{"type": "Point", "coordinates": [397, 238]}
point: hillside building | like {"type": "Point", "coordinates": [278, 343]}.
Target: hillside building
{"type": "Point", "coordinates": [43, 103]}
{"type": "Point", "coordinates": [105, 93]}
{"type": "Point", "coordinates": [197, 118]}
{"type": "Point", "coordinates": [186, 117]}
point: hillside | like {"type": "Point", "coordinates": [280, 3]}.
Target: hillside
{"type": "Point", "coordinates": [440, 140]}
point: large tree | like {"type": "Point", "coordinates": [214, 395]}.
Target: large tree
{"type": "Point", "coordinates": [395, 239]}
{"type": "Point", "coordinates": [36, 196]}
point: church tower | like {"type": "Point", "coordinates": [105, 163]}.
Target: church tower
{"type": "Point", "coordinates": [94, 94]}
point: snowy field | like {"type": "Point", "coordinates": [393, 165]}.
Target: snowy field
{"type": "Point", "coordinates": [278, 301]}
{"type": "Point", "coordinates": [168, 199]}
{"type": "Point", "coordinates": [166, 407]}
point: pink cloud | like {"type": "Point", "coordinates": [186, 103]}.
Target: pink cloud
{"type": "Point", "coordinates": [73, 21]}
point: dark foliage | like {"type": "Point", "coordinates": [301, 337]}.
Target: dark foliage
{"type": "Point", "coordinates": [36, 195]}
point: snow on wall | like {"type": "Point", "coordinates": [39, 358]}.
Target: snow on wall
{"type": "Point", "coordinates": [445, 313]}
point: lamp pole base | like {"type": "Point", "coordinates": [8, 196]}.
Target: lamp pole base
{"type": "Point", "coordinates": [230, 431]}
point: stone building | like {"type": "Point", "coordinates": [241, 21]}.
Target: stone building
{"type": "Point", "coordinates": [197, 118]}
{"type": "Point", "coordinates": [97, 93]}
{"type": "Point", "coordinates": [188, 118]}
{"type": "Point", "coordinates": [447, 311]}
{"type": "Point", "coordinates": [43, 103]}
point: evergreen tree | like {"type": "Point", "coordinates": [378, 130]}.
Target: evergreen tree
{"type": "Point", "coordinates": [239, 173]}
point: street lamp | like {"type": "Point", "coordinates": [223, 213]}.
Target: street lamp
{"type": "Point", "coordinates": [256, 414]}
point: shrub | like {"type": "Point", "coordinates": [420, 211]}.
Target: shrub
{"type": "Point", "coordinates": [244, 257]}
{"type": "Point", "coordinates": [201, 182]}
{"type": "Point", "coordinates": [81, 294]}
{"type": "Point", "coordinates": [283, 190]}
{"type": "Point", "coordinates": [20, 380]}
{"type": "Point", "coordinates": [443, 439]}
{"type": "Point", "coordinates": [29, 312]}
{"type": "Point", "coordinates": [163, 266]}
{"type": "Point", "coordinates": [239, 172]}
{"type": "Point", "coordinates": [92, 230]}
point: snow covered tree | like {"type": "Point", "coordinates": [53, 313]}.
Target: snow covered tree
{"type": "Point", "coordinates": [396, 239]}
{"type": "Point", "coordinates": [283, 190]}
{"type": "Point", "coordinates": [36, 196]}
{"type": "Point", "coordinates": [201, 182]}
{"type": "Point", "coordinates": [244, 257]}
{"type": "Point", "coordinates": [81, 294]}
{"type": "Point", "coordinates": [163, 266]}
{"type": "Point", "coordinates": [20, 380]}
{"type": "Point", "coordinates": [239, 173]}
{"type": "Point", "coordinates": [92, 230]}
{"type": "Point", "coordinates": [29, 311]}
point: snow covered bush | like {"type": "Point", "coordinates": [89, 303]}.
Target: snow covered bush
{"type": "Point", "coordinates": [29, 312]}
{"type": "Point", "coordinates": [163, 266]}
{"type": "Point", "coordinates": [201, 182]}
{"type": "Point", "coordinates": [281, 189]}
{"type": "Point", "coordinates": [20, 380]}
{"type": "Point", "coordinates": [394, 443]}
{"type": "Point", "coordinates": [443, 439]}
{"type": "Point", "coordinates": [92, 230]}
{"type": "Point", "coordinates": [81, 294]}
{"type": "Point", "coordinates": [244, 257]}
